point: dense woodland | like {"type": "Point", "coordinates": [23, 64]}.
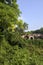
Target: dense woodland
{"type": "Point", "coordinates": [13, 49]}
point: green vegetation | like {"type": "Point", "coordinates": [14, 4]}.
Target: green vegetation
{"type": "Point", "coordinates": [13, 49]}
{"type": "Point", "coordinates": [38, 31]}
{"type": "Point", "coordinates": [20, 51]}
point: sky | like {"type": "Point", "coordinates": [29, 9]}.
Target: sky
{"type": "Point", "coordinates": [32, 13]}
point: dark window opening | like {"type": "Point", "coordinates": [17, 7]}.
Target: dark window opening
{"type": "Point", "coordinates": [31, 38]}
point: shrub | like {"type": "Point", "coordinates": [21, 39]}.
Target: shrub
{"type": "Point", "coordinates": [15, 39]}
{"type": "Point", "coordinates": [17, 51]}
{"type": "Point", "coordinates": [13, 55]}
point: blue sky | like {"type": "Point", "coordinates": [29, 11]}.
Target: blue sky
{"type": "Point", "coordinates": [32, 13]}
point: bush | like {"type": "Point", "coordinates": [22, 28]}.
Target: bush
{"type": "Point", "coordinates": [13, 55]}
{"type": "Point", "coordinates": [15, 39]}
{"type": "Point", "coordinates": [17, 51]}
{"type": "Point", "coordinates": [35, 42]}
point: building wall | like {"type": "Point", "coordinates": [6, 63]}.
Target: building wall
{"type": "Point", "coordinates": [33, 36]}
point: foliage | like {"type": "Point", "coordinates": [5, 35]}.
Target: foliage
{"type": "Point", "coordinates": [13, 49]}
{"type": "Point", "coordinates": [38, 31]}
{"type": "Point", "coordinates": [29, 54]}
{"type": "Point", "coordinates": [21, 26]}
{"type": "Point", "coordinates": [15, 39]}
{"type": "Point", "coordinates": [8, 15]}
{"type": "Point", "coordinates": [9, 19]}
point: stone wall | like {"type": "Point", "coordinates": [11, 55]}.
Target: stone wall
{"type": "Point", "coordinates": [33, 36]}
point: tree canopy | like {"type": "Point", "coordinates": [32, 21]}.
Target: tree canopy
{"type": "Point", "coordinates": [8, 15]}
{"type": "Point", "coordinates": [38, 31]}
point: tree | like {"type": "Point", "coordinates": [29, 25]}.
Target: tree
{"type": "Point", "coordinates": [25, 26]}
{"type": "Point", "coordinates": [21, 26]}
{"type": "Point", "coordinates": [8, 15]}
{"type": "Point", "coordinates": [38, 31]}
